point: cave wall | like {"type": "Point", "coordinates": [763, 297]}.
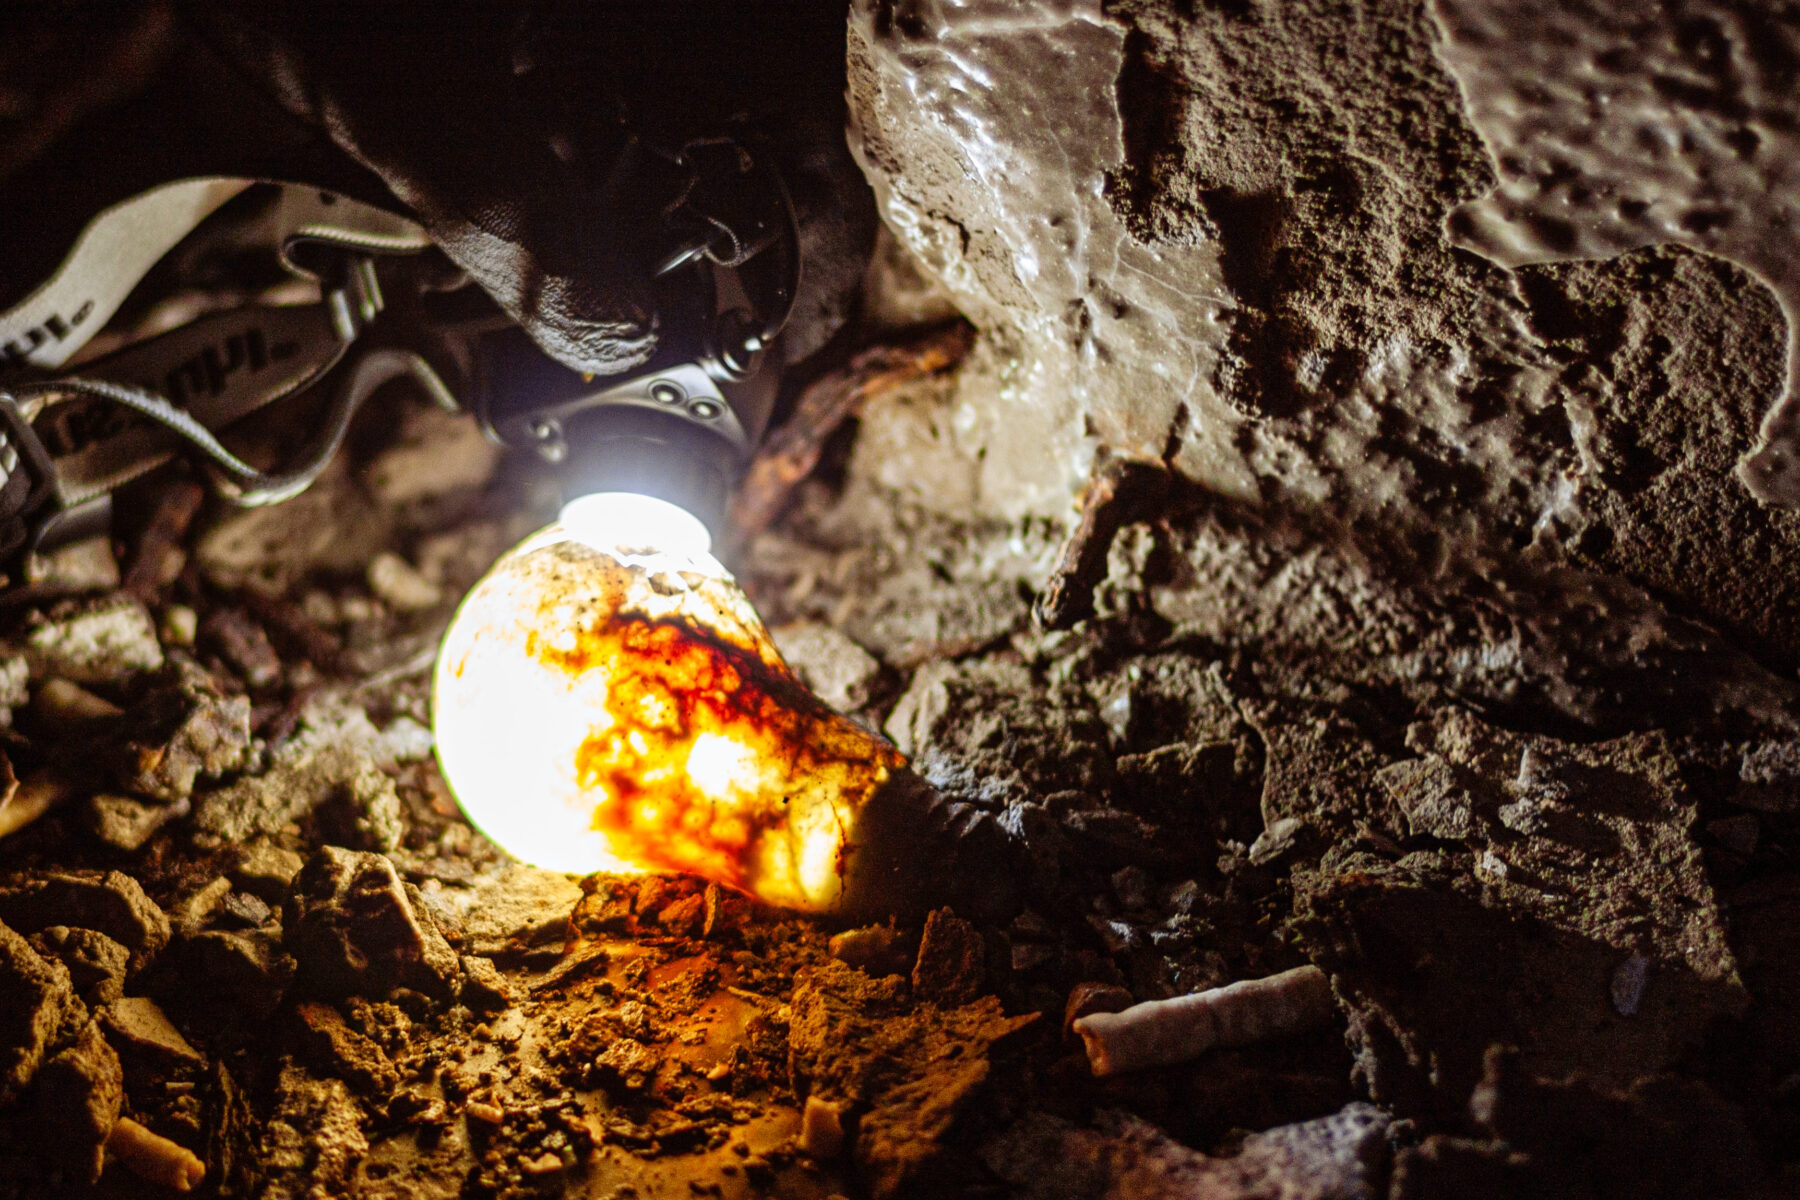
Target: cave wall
{"type": "Point", "coordinates": [1472, 289]}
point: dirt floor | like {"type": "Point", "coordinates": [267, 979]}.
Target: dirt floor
{"type": "Point", "coordinates": [1555, 904]}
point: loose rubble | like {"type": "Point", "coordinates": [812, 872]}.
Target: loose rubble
{"type": "Point", "coordinates": [1429, 914]}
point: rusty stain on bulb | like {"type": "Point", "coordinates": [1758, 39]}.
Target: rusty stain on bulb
{"type": "Point", "coordinates": [604, 710]}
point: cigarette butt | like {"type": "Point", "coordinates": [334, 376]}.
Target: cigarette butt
{"type": "Point", "coordinates": [154, 1158]}
{"type": "Point", "coordinates": [1161, 1032]}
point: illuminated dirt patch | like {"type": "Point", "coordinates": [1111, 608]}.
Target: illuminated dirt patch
{"type": "Point", "coordinates": [602, 711]}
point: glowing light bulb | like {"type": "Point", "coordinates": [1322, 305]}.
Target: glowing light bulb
{"type": "Point", "coordinates": [607, 699]}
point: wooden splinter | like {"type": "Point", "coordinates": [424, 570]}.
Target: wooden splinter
{"type": "Point", "coordinates": [155, 1158]}
{"type": "Point", "coordinates": [1160, 1032]}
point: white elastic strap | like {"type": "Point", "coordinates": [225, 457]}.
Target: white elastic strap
{"type": "Point", "coordinates": [114, 251]}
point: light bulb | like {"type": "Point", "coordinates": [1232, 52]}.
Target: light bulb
{"type": "Point", "coordinates": [606, 699]}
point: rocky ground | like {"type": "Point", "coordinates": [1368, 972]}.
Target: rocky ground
{"type": "Point", "coordinates": [1554, 893]}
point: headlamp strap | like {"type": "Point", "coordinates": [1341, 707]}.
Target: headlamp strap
{"type": "Point", "coordinates": [183, 386]}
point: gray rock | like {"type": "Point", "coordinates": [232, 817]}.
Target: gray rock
{"type": "Point", "coordinates": [313, 1140]}
{"type": "Point", "coordinates": [827, 661]}
{"type": "Point", "coordinates": [246, 973]}
{"type": "Point", "coordinates": [484, 988]}
{"type": "Point", "coordinates": [1276, 841]}
{"type": "Point", "coordinates": [323, 766]}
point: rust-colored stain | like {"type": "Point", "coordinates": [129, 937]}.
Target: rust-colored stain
{"type": "Point", "coordinates": [670, 683]}
{"type": "Point", "coordinates": [694, 747]}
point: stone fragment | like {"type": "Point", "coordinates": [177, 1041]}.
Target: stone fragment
{"type": "Point", "coordinates": [1770, 777]}
{"type": "Point", "coordinates": [243, 910]}
{"type": "Point", "coordinates": [107, 643]}
{"type": "Point", "coordinates": [124, 822]}
{"type": "Point", "coordinates": [918, 617]}
{"type": "Point", "coordinates": [516, 906]}
{"type": "Point", "coordinates": [434, 455]}
{"type": "Point", "coordinates": [38, 1011]}
{"type": "Point", "coordinates": [23, 801]}
{"type": "Point", "coordinates": [179, 625]}
{"type": "Point", "coordinates": [401, 585]}
{"type": "Point", "coordinates": [1434, 802]}
{"type": "Point", "coordinates": [61, 705]}
{"type": "Point", "coordinates": [87, 565]}
{"type": "Point", "coordinates": [841, 672]}
{"type": "Point", "coordinates": [112, 903]}
{"type": "Point", "coordinates": [1131, 887]}
{"type": "Point", "coordinates": [193, 911]}
{"type": "Point", "coordinates": [484, 988]}
{"type": "Point", "coordinates": [15, 683]}
{"type": "Point", "coordinates": [951, 967]}
{"type": "Point", "coordinates": [242, 643]}
{"type": "Point", "coordinates": [822, 1128]}
{"type": "Point", "coordinates": [185, 728]}
{"type": "Point", "coordinates": [74, 1102]}
{"type": "Point", "coordinates": [1526, 954]}
{"type": "Point", "coordinates": [264, 870]}
{"type": "Point", "coordinates": [96, 963]}
{"type": "Point", "coordinates": [1628, 983]}
{"type": "Point", "coordinates": [354, 929]}
{"type": "Point", "coordinates": [336, 1050]}
{"type": "Point", "coordinates": [1277, 841]}
{"type": "Point", "coordinates": [139, 1026]}
{"type": "Point", "coordinates": [331, 526]}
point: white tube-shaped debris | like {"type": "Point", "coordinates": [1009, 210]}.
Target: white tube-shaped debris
{"type": "Point", "coordinates": [1159, 1032]}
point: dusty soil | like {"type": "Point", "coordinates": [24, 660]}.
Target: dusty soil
{"type": "Point", "coordinates": [1557, 925]}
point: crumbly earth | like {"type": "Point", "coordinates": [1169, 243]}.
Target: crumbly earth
{"type": "Point", "coordinates": [1447, 651]}
{"type": "Point", "coordinates": [1554, 895]}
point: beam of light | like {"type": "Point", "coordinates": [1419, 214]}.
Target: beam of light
{"type": "Point", "coordinates": [607, 699]}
